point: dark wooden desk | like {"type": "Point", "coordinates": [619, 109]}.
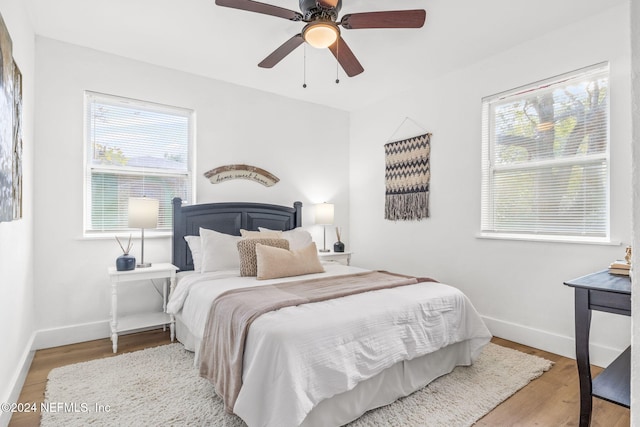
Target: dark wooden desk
{"type": "Point", "coordinates": [603, 292]}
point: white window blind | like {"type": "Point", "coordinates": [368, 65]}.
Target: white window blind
{"type": "Point", "coordinates": [545, 159]}
{"type": "Point", "coordinates": [134, 149]}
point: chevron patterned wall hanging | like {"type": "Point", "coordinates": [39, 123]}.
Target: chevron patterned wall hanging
{"type": "Point", "coordinates": [407, 174]}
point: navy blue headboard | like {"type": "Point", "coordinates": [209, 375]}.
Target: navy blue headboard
{"type": "Point", "coordinates": [226, 218]}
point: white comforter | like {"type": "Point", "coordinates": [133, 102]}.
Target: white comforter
{"type": "Point", "coordinates": [298, 356]}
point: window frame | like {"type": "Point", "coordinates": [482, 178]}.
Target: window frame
{"type": "Point", "coordinates": [89, 168]}
{"type": "Point", "coordinates": [489, 166]}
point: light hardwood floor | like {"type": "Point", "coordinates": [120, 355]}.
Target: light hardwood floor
{"type": "Point", "coordinates": [549, 401]}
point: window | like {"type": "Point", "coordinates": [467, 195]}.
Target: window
{"type": "Point", "coordinates": [134, 149]}
{"type": "Point", "coordinates": [545, 159]}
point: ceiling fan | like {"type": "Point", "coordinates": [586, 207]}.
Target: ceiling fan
{"type": "Point", "coordinates": [322, 29]}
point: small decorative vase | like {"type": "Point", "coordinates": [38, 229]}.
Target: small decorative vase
{"type": "Point", "coordinates": [125, 262]}
{"type": "Point", "coordinates": [338, 246]}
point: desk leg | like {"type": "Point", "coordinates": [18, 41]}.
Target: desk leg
{"type": "Point", "coordinates": [582, 326]}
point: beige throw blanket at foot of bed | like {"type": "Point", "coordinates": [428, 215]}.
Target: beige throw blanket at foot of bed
{"type": "Point", "coordinates": [231, 314]}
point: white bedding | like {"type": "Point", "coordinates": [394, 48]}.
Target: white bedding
{"type": "Point", "coordinates": [194, 293]}
{"type": "Point", "coordinates": [299, 356]}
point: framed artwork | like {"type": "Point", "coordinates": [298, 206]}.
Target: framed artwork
{"type": "Point", "coordinates": [10, 130]}
{"type": "Point", "coordinates": [17, 143]}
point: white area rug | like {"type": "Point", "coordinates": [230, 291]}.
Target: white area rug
{"type": "Point", "coordinates": [160, 386]}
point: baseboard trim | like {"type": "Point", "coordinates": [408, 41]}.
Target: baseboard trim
{"type": "Point", "coordinates": [553, 343]}
{"type": "Point", "coordinates": [17, 382]}
{"type": "Point", "coordinates": [72, 334]}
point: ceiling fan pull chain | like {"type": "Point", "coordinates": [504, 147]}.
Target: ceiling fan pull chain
{"type": "Point", "coordinates": [337, 62]}
{"type": "Point", "coordinates": [304, 67]}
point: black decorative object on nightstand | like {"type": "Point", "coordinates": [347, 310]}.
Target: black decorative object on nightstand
{"type": "Point", "coordinates": [125, 262]}
{"type": "Point", "coordinates": [338, 246]}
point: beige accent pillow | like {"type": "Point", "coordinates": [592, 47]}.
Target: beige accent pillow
{"type": "Point", "coordinates": [247, 252]}
{"type": "Point", "coordinates": [275, 262]}
{"type": "Point", "coordinates": [271, 234]}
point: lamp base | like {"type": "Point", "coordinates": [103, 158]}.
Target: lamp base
{"type": "Point", "coordinates": [324, 250]}
{"type": "Point", "coordinates": [143, 265]}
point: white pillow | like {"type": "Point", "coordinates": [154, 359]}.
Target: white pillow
{"type": "Point", "coordinates": [195, 246]}
{"type": "Point", "coordinates": [263, 234]}
{"type": "Point", "coordinates": [219, 251]}
{"type": "Point", "coordinates": [298, 238]}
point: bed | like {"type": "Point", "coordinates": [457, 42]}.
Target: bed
{"type": "Point", "coordinates": [324, 363]}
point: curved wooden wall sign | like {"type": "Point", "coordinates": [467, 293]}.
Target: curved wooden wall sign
{"type": "Point", "coordinates": [228, 172]}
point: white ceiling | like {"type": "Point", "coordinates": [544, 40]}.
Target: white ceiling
{"type": "Point", "coordinates": [199, 37]}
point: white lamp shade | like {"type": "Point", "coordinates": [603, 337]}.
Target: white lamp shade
{"type": "Point", "coordinates": [321, 35]}
{"type": "Point", "coordinates": [143, 212]}
{"type": "Point", "coordinates": [324, 214]}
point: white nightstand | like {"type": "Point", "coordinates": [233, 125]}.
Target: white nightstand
{"type": "Point", "coordinates": [159, 270]}
{"type": "Point", "coordinates": [344, 257]}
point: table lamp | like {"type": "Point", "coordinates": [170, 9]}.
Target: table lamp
{"type": "Point", "coordinates": [324, 217]}
{"type": "Point", "coordinates": [143, 213]}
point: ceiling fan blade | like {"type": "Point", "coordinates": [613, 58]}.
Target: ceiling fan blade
{"type": "Point", "coordinates": [285, 49]}
{"type": "Point", "coordinates": [267, 9]}
{"type": "Point", "coordinates": [346, 58]}
{"type": "Point", "coordinates": [390, 19]}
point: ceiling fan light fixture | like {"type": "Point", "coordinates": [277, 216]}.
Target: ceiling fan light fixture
{"type": "Point", "coordinates": [321, 35]}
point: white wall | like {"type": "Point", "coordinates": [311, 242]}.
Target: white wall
{"type": "Point", "coordinates": [516, 285]}
{"type": "Point", "coordinates": [16, 237]}
{"type": "Point", "coordinates": [305, 145]}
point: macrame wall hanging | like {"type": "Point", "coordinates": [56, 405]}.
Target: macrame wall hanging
{"type": "Point", "coordinates": [407, 175]}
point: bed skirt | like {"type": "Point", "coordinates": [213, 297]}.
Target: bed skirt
{"type": "Point", "coordinates": [188, 339]}
{"type": "Point", "coordinates": [395, 382]}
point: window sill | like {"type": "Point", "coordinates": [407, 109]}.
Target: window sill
{"type": "Point", "coordinates": [123, 234]}
{"type": "Point", "coordinates": [549, 239]}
